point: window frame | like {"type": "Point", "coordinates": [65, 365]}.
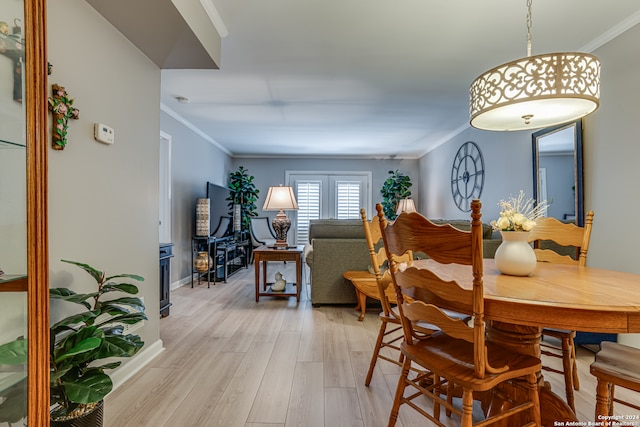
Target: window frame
{"type": "Point", "coordinates": [328, 195]}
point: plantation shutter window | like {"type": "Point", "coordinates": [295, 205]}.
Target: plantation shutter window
{"type": "Point", "coordinates": [324, 195]}
{"type": "Point", "coordinates": [348, 199]}
{"type": "Point", "coordinates": [308, 195]}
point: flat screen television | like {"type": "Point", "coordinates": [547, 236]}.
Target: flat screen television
{"type": "Point", "coordinates": [218, 206]}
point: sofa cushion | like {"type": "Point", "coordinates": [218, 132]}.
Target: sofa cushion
{"type": "Point", "coordinates": [335, 229]}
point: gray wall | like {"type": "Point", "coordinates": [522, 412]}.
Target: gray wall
{"type": "Point", "coordinates": [611, 150]}
{"type": "Point", "coordinates": [508, 169]}
{"type": "Point", "coordinates": [103, 200]}
{"type": "Point", "coordinates": [611, 153]}
{"type": "Point", "coordinates": [194, 161]}
{"type": "Point", "coordinates": [271, 171]}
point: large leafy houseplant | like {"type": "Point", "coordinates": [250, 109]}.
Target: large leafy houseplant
{"type": "Point", "coordinates": [80, 343]}
{"type": "Point", "coordinates": [243, 192]}
{"type": "Point", "coordinates": [396, 187]}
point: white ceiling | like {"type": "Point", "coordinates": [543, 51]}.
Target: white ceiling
{"type": "Point", "coordinates": [367, 78]}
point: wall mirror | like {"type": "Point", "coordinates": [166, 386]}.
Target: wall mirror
{"type": "Point", "coordinates": [557, 171]}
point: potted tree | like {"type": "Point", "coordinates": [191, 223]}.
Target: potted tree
{"type": "Point", "coordinates": [79, 345]}
{"type": "Point", "coordinates": [396, 187]}
{"type": "Point", "coordinates": [243, 192]}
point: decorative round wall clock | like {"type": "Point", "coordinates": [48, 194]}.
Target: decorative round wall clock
{"type": "Point", "coordinates": [467, 175]}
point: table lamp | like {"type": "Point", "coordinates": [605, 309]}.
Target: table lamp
{"type": "Point", "coordinates": [405, 205]}
{"type": "Point", "coordinates": [280, 198]}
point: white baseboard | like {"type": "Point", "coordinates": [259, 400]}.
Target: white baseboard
{"type": "Point", "coordinates": [181, 282]}
{"type": "Point", "coordinates": [140, 360]}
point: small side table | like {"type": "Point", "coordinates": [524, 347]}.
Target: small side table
{"type": "Point", "coordinates": [264, 254]}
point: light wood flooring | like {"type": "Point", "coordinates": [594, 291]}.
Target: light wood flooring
{"type": "Point", "coordinates": [230, 361]}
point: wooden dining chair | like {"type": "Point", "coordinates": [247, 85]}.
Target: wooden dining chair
{"type": "Point", "coordinates": [366, 282]}
{"type": "Point", "coordinates": [457, 353]}
{"type": "Point", "coordinates": [615, 365]}
{"type": "Point", "coordinates": [385, 293]}
{"type": "Point", "coordinates": [573, 240]}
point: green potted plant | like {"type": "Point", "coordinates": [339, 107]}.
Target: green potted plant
{"type": "Point", "coordinates": [396, 187]}
{"type": "Point", "coordinates": [80, 343]}
{"type": "Point", "coordinates": [243, 192]}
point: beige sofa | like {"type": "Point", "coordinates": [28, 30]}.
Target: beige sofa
{"type": "Point", "coordinates": [336, 246]}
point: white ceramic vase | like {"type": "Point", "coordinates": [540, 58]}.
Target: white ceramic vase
{"type": "Point", "coordinates": [515, 255]}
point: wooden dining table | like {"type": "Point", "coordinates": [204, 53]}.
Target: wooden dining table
{"type": "Point", "coordinates": [553, 296]}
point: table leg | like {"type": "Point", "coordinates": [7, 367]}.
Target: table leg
{"type": "Point", "coordinates": [264, 275]}
{"type": "Point", "coordinates": [256, 268]}
{"type": "Point", "coordinates": [526, 340]}
{"type": "Point", "coordinates": [298, 276]}
{"type": "Point", "coordinates": [362, 303]}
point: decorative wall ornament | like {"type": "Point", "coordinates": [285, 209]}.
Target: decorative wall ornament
{"type": "Point", "coordinates": [62, 108]}
{"type": "Point", "coordinates": [280, 283]}
{"type": "Point", "coordinates": [467, 175]}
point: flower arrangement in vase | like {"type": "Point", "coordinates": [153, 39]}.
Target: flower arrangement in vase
{"type": "Point", "coordinates": [517, 217]}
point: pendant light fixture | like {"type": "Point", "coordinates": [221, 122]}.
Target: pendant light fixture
{"type": "Point", "coordinates": [536, 91]}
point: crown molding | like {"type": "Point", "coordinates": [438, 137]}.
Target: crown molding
{"type": "Point", "coordinates": [612, 33]}
{"type": "Point", "coordinates": [194, 128]}
{"type": "Point", "coordinates": [215, 18]}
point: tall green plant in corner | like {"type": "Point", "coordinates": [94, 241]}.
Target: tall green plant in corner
{"type": "Point", "coordinates": [243, 191]}
{"type": "Point", "coordinates": [396, 187]}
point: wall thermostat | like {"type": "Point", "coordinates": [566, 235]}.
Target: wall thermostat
{"type": "Point", "coordinates": [103, 133]}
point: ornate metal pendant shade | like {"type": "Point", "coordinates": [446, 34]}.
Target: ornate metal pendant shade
{"type": "Point", "coordinates": [536, 91]}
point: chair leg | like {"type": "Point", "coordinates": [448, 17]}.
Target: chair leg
{"type": "Point", "coordinates": [436, 404]}
{"type": "Point", "coordinates": [376, 351]}
{"type": "Point", "coordinates": [574, 367]}
{"type": "Point", "coordinates": [467, 408]}
{"type": "Point", "coordinates": [612, 390]}
{"type": "Point", "coordinates": [402, 384]}
{"type": "Point", "coordinates": [450, 391]}
{"type": "Point", "coordinates": [603, 400]}
{"type": "Point", "coordinates": [567, 368]}
{"type": "Point", "coordinates": [534, 396]}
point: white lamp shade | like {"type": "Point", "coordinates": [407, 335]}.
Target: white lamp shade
{"type": "Point", "coordinates": [280, 198]}
{"type": "Point", "coordinates": [406, 205]}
